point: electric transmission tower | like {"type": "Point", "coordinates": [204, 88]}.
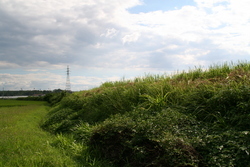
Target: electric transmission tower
{"type": "Point", "coordinates": [68, 87]}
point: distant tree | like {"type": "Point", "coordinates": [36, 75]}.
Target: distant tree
{"type": "Point", "coordinates": [57, 90]}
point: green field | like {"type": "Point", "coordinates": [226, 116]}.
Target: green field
{"type": "Point", "coordinates": [15, 103]}
{"type": "Point", "coordinates": [22, 142]}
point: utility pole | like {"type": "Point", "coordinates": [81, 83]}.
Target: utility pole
{"type": "Point", "coordinates": [68, 87]}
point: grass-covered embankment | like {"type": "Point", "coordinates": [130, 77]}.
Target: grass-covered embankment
{"type": "Point", "coordinates": [195, 118]}
{"type": "Point", "coordinates": [22, 142]}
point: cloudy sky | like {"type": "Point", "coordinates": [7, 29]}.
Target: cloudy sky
{"type": "Point", "coordinates": [107, 40]}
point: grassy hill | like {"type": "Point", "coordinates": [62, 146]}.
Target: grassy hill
{"type": "Point", "coordinates": [194, 118]}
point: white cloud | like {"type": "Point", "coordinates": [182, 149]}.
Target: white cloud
{"type": "Point", "coordinates": [102, 34]}
{"type": "Point", "coordinates": [226, 24]}
{"type": "Point", "coordinates": [31, 81]}
{"type": "Point", "coordinates": [130, 38]}
{"type": "Point", "coordinates": [8, 65]}
{"type": "Point", "coordinates": [110, 33]}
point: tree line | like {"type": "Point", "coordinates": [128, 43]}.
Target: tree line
{"type": "Point", "coordinates": [28, 92]}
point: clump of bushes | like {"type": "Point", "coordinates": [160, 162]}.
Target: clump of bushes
{"type": "Point", "coordinates": [195, 118]}
{"type": "Point", "coordinates": [55, 97]}
{"type": "Point", "coordinates": [143, 139]}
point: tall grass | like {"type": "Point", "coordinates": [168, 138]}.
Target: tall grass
{"type": "Point", "coordinates": [194, 118]}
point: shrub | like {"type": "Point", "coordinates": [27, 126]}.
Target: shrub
{"type": "Point", "coordinates": [58, 121]}
{"type": "Point", "coordinates": [143, 139]}
{"type": "Point", "coordinates": [54, 98]}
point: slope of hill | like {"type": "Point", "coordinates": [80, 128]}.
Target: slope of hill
{"type": "Point", "coordinates": [194, 118]}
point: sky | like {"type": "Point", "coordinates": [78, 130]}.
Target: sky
{"type": "Point", "coordinates": [110, 40]}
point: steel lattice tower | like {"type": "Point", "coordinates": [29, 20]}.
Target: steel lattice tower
{"type": "Point", "coordinates": [68, 87]}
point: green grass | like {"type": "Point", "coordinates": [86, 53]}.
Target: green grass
{"type": "Point", "coordinates": [194, 118]}
{"type": "Point", "coordinates": [15, 103]}
{"type": "Point", "coordinates": [22, 142]}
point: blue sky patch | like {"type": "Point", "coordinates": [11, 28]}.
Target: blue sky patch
{"type": "Point", "coordinates": [164, 5]}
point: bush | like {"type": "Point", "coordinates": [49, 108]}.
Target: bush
{"type": "Point", "coordinates": [59, 121]}
{"type": "Point", "coordinates": [143, 139]}
{"type": "Point", "coordinates": [54, 98]}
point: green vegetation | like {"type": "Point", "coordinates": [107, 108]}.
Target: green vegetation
{"type": "Point", "coordinates": [23, 92]}
{"type": "Point", "coordinates": [22, 142]}
{"type": "Point", "coordinates": [16, 103]}
{"type": "Point", "coordinates": [194, 118]}
{"type": "Point", "coordinates": [5, 93]}
{"type": "Point", "coordinates": [190, 119]}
